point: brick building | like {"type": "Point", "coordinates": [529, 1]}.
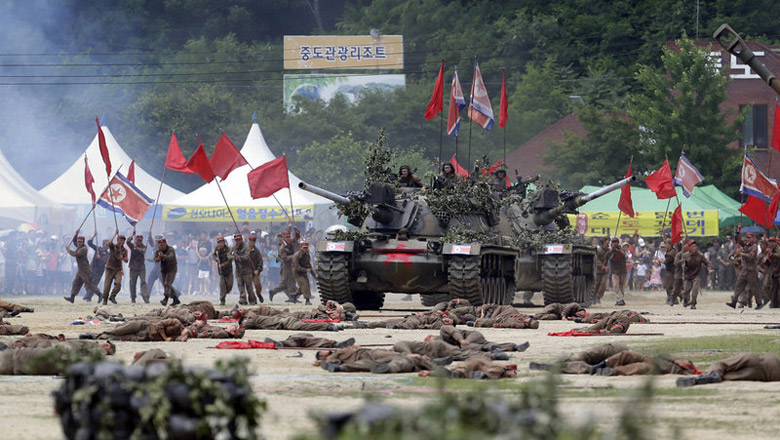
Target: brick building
{"type": "Point", "coordinates": [746, 88]}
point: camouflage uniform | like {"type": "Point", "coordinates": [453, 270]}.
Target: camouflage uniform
{"type": "Point", "coordinates": [225, 269]}
{"type": "Point", "coordinates": [244, 273]}
{"type": "Point", "coordinates": [116, 255]}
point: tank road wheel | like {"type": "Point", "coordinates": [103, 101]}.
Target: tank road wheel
{"type": "Point", "coordinates": [333, 277]}
{"type": "Point", "coordinates": [557, 280]}
{"type": "Point", "coordinates": [432, 299]}
{"type": "Point", "coordinates": [464, 278]}
{"type": "Point", "coordinates": [368, 300]}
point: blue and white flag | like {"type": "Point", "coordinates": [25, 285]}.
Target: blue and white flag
{"type": "Point", "coordinates": [687, 175]}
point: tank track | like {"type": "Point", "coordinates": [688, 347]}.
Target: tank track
{"type": "Point", "coordinates": [333, 277]}
{"type": "Point", "coordinates": [432, 299]}
{"type": "Point", "coordinates": [465, 279]}
{"type": "Point", "coordinates": [557, 280]}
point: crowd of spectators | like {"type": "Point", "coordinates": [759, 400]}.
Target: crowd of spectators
{"type": "Point", "coordinates": [36, 262]}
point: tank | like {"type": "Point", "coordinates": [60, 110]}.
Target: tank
{"type": "Point", "coordinates": [735, 45]}
{"type": "Point", "coordinates": [465, 242]}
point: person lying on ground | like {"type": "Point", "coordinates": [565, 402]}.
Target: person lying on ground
{"type": "Point", "coordinates": [261, 322]}
{"type": "Point", "coordinates": [440, 350]}
{"type": "Point", "coordinates": [474, 340]}
{"type": "Point", "coordinates": [592, 318]}
{"type": "Point", "coordinates": [51, 360]}
{"type": "Point", "coordinates": [10, 309]}
{"type": "Point", "coordinates": [581, 362]}
{"type": "Point", "coordinates": [744, 366]}
{"type": "Point", "coordinates": [7, 329]}
{"type": "Point", "coordinates": [375, 360]}
{"type": "Point", "coordinates": [147, 357]}
{"type": "Point", "coordinates": [38, 340]}
{"type": "Point", "coordinates": [631, 363]}
{"type": "Point", "coordinates": [474, 368]}
{"type": "Point", "coordinates": [307, 340]}
{"type": "Point", "coordinates": [616, 322]}
{"type": "Point", "coordinates": [558, 311]}
{"type": "Point", "coordinates": [142, 330]}
{"type": "Point", "coordinates": [202, 330]}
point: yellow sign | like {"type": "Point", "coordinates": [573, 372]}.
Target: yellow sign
{"type": "Point", "coordinates": [240, 213]}
{"type": "Point", "coordinates": [646, 223]}
{"type": "Point", "coordinates": [343, 52]}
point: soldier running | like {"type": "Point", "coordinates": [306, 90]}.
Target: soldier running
{"type": "Point", "coordinates": [257, 267]}
{"type": "Point", "coordinates": [287, 248]}
{"type": "Point", "coordinates": [602, 271]}
{"type": "Point", "coordinates": [166, 255]}
{"type": "Point", "coordinates": [301, 266]}
{"type": "Point", "coordinates": [224, 268]}
{"type": "Point", "coordinates": [116, 255]}
{"type": "Point", "coordinates": [82, 277]}
{"type": "Point", "coordinates": [138, 268]}
{"type": "Point", "coordinates": [693, 261]}
{"type": "Point", "coordinates": [244, 270]}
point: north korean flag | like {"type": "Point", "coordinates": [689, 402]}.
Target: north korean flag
{"type": "Point", "coordinates": [756, 183]}
{"type": "Point", "coordinates": [124, 198]}
{"type": "Point", "coordinates": [687, 175]}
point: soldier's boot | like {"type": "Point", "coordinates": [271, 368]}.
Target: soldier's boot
{"type": "Point", "coordinates": [690, 381]}
{"type": "Point", "coordinates": [478, 375]}
{"type": "Point", "coordinates": [732, 304]}
{"type": "Point", "coordinates": [329, 366]}
{"type": "Point", "coordinates": [445, 360]}
{"type": "Point", "coordinates": [68, 299]}
{"type": "Point", "coordinates": [499, 355]}
{"type": "Point", "coordinates": [146, 300]}
{"type": "Point", "coordinates": [592, 369]}
{"type": "Point", "coordinates": [606, 371]}
{"type": "Point", "coordinates": [522, 347]}
{"type": "Point", "coordinates": [345, 343]}
{"type": "Point", "coordinates": [538, 366]}
{"type": "Point", "coordinates": [273, 341]}
{"type": "Point", "coordinates": [381, 368]}
{"type": "Point", "coordinates": [620, 302]}
{"type": "Point", "coordinates": [164, 301]}
{"type": "Point", "coordinates": [308, 303]}
{"type": "Point", "coordinates": [176, 301]}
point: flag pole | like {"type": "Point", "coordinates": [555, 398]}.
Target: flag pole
{"type": "Point", "coordinates": [291, 217]}
{"type": "Point", "coordinates": [471, 112]}
{"type": "Point", "coordinates": [227, 206]}
{"type": "Point", "coordinates": [441, 135]}
{"type": "Point", "coordinates": [617, 226]}
{"type": "Point", "coordinates": [157, 200]}
{"type": "Point", "coordinates": [111, 197]}
{"type": "Point", "coordinates": [108, 186]}
{"type": "Point", "coordinates": [663, 223]}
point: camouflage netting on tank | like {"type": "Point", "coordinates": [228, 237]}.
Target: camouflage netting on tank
{"type": "Point", "coordinates": [536, 239]}
{"type": "Point", "coordinates": [160, 401]}
{"type": "Point", "coordinates": [469, 236]}
{"type": "Point", "coordinates": [61, 356]}
{"type": "Point", "coordinates": [349, 235]}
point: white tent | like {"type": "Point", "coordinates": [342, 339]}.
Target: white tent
{"type": "Point", "coordinates": [20, 202]}
{"type": "Point", "coordinates": [205, 204]}
{"type": "Point", "coordinates": [69, 187]}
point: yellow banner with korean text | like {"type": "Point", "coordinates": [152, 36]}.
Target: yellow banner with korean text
{"type": "Point", "coordinates": [343, 52]}
{"type": "Point", "coordinates": [240, 213]}
{"type": "Point", "coordinates": [646, 223]}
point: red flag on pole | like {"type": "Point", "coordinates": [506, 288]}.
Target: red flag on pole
{"type": "Point", "coordinates": [199, 163]}
{"type": "Point", "coordinates": [776, 129]}
{"type": "Point", "coordinates": [625, 204]}
{"type": "Point", "coordinates": [175, 159]}
{"type": "Point", "coordinates": [437, 98]}
{"type": "Point", "coordinates": [89, 180]}
{"type": "Point", "coordinates": [459, 170]}
{"type": "Point", "coordinates": [131, 172]}
{"type": "Point", "coordinates": [103, 148]}
{"type": "Point", "coordinates": [503, 107]}
{"type": "Point", "coordinates": [757, 210]}
{"type": "Point", "coordinates": [677, 225]}
{"type": "Point", "coordinates": [771, 213]}
{"type": "Point", "coordinates": [226, 157]}
{"type": "Point", "coordinates": [268, 178]}
{"type": "Point", "coordinates": [661, 182]}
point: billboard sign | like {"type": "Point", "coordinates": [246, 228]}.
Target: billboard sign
{"type": "Point", "coordinates": [326, 86]}
{"type": "Point", "coordinates": [343, 52]}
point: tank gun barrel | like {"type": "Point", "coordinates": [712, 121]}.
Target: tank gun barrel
{"type": "Point", "coordinates": [735, 45]}
{"type": "Point", "coordinates": [323, 193]}
{"type": "Point", "coordinates": [545, 217]}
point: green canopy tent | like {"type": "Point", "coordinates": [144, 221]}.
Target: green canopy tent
{"type": "Point", "coordinates": [730, 215]}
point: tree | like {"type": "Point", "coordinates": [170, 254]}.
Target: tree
{"type": "Point", "coordinates": [600, 158]}
{"type": "Point", "coordinates": [335, 164]}
{"type": "Point", "coordinates": [680, 110]}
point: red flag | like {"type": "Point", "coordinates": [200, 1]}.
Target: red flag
{"type": "Point", "coordinates": [661, 182]}
{"type": "Point", "coordinates": [199, 163]}
{"type": "Point", "coordinates": [268, 178]}
{"type": "Point", "coordinates": [503, 107]}
{"type": "Point", "coordinates": [459, 170]}
{"type": "Point", "coordinates": [757, 210]}
{"type": "Point", "coordinates": [776, 129]}
{"type": "Point", "coordinates": [89, 180]}
{"type": "Point", "coordinates": [771, 214]}
{"type": "Point", "coordinates": [103, 148]}
{"type": "Point", "coordinates": [131, 172]}
{"type": "Point", "coordinates": [677, 225]}
{"type": "Point", "coordinates": [437, 98]}
{"type": "Point", "coordinates": [226, 157]}
{"type": "Point", "coordinates": [175, 159]}
{"type": "Point", "coordinates": [625, 204]}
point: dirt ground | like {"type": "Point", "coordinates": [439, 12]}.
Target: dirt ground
{"type": "Point", "coordinates": [293, 387]}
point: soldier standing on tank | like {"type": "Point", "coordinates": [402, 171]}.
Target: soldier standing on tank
{"type": "Point", "coordinates": [602, 271]}
{"type": "Point", "coordinates": [617, 265]}
{"type": "Point", "coordinates": [166, 255]}
{"type": "Point", "coordinates": [224, 268]}
{"type": "Point", "coordinates": [116, 255]}
{"type": "Point", "coordinates": [407, 179]}
{"type": "Point", "coordinates": [82, 274]}
{"type": "Point", "coordinates": [257, 266]}
{"type": "Point", "coordinates": [98, 264]}
{"type": "Point", "coordinates": [497, 181]}
{"type": "Point", "coordinates": [448, 178]}
{"type": "Point", "coordinates": [693, 261]}
{"type": "Point", "coordinates": [301, 263]}
{"type": "Point", "coordinates": [138, 268]}
{"type": "Point", "coordinates": [244, 270]}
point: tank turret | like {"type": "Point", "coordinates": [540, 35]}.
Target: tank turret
{"type": "Point", "coordinates": [548, 207]}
